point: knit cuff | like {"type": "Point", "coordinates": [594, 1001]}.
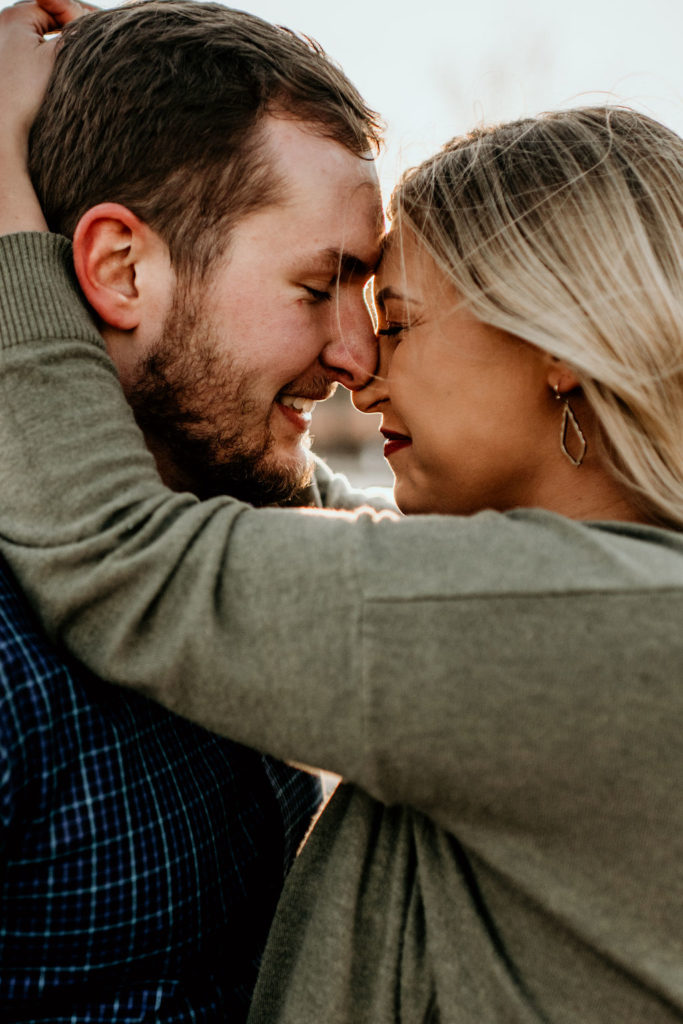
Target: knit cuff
{"type": "Point", "coordinates": [39, 294]}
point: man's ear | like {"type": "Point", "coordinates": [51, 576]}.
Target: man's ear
{"type": "Point", "coordinates": [108, 245]}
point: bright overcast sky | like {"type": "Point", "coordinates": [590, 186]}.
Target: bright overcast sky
{"type": "Point", "coordinates": [433, 68]}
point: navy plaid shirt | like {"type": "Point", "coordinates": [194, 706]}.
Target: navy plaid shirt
{"type": "Point", "coordinates": [141, 857]}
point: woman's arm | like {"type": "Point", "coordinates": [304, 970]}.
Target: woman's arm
{"type": "Point", "coordinates": [386, 649]}
{"type": "Point", "coordinates": [104, 549]}
{"type": "Point", "coordinates": [509, 676]}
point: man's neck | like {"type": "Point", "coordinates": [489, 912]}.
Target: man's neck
{"type": "Point", "coordinates": [171, 474]}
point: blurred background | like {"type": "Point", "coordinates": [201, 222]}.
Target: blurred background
{"type": "Point", "coordinates": [435, 69]}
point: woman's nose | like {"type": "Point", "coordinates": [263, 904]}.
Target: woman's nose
{"type": "Point", "coordinates": [375, 392]}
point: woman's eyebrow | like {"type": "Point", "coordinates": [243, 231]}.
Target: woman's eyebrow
{"type": "Point", "coordinates": [388, 292]}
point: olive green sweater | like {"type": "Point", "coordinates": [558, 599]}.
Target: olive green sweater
{"type": "Point", "coordinates": [503, 693]}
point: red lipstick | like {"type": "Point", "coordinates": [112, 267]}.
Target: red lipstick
{"type": "Point", "coordinates": [394, 442]}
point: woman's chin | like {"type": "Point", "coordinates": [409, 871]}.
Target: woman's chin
{"type": "Point", "coordinates": [415, 501]}
{"type": "Point", "coordinates": [410, 500]}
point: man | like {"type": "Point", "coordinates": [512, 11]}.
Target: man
{"type": "Point", "coordinates": [216, 177]}
{"type": "Point", "coordinates": [214, 174]}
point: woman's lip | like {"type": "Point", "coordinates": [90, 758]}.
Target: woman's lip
{"type": "Point", "coordinates": [394, 442]}
{"type": "Point", "coordinates": [391, 447]}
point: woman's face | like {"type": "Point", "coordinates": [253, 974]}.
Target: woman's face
{"type": "Point", "coordinates": [467, 411]}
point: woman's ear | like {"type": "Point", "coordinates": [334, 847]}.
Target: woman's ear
{"type": "Point", "coordinates": [108, 243]}
{"type": "Point", "coordinates": [561, 378]}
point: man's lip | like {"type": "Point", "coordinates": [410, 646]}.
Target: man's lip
{"type": "Point", "coordinates": [311, 396]}
{"type": "Point", "coordinates": [394, 442]}
{"type": "Point", "coordinates": [298, 419]}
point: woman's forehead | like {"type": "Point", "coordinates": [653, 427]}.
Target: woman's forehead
{"type": "Point", "coordinates": [406, 267]}
{"type": "Point", "coordinates": [400, 254]}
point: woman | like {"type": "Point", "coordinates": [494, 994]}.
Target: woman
{"type": "Point", "coordinates": [500, 687]}
{"type": "Point", "coordinates": [536, 267]}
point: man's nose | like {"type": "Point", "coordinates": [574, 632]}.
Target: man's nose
{"type": "Point", "coordinates": [350, 355]}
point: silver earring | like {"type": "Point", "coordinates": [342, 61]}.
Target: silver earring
{"type": "Point", "coordinates": [570, 423]}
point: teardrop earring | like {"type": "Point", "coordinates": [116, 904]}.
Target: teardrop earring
{"type": "Point", "coordinates": [570, 424]}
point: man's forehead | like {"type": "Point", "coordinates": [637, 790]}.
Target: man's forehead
{"type": "Point", "coordinates": [305, 158]}
{"type": "Point", "coordinates": [328, 211]}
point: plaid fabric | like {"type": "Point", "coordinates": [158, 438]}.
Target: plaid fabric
{"type": "Point", "coordinates": [141, 857]}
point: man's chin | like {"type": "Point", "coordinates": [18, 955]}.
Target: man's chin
{"type": "Point", "coordinates": [266, 481]}
{"type": "Point", "coordinates": [280, 479]}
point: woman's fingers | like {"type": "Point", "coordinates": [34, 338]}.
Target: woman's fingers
{"type": "Point", "coordinates": [64, 11]}
{"type": "Point", "coordinates": [26, 60]}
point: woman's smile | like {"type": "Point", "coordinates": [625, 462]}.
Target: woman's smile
{"type": "Point", "coordinates": [394, 442]}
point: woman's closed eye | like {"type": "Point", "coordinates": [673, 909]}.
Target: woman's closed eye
{"type": "Point", "coordinates": [391, 330]}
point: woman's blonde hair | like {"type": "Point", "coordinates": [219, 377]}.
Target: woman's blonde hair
{"type": "Point", "coordinates": [567, 230]}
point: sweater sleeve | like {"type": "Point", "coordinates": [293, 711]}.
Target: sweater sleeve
{"type": "Point", "coordinates": [398, 652]}
{"type": "Point", "coordinates": [137, 580]}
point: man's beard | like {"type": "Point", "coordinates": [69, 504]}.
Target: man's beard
{"type": "Point", "coordinates": [194, 407]}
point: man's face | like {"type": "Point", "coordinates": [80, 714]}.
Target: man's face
{"type": "Point", "coordinates": [225, 391]}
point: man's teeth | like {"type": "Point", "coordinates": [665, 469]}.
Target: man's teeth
{"type": "Point", "coordinates": [300, 404]}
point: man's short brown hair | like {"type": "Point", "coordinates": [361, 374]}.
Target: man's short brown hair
{"type": "Point", "coordinates": [157, 105]}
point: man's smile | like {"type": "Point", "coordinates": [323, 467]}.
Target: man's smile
{"type": "Point", "coordinates": [298, 410]}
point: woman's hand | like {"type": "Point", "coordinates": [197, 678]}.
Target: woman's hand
{"type": "Point", "coordinates": [26, 60]}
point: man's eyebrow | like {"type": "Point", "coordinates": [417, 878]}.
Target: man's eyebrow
{"type": "Point", "coordinates": [341, 264]}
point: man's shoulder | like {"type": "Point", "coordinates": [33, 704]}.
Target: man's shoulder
{"type": "Point", "coordinates": [55, 713]}
{"type": "Point", "coordinates": [53, 709]}
{"type": "Point", "coordinates": [25, 654]}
